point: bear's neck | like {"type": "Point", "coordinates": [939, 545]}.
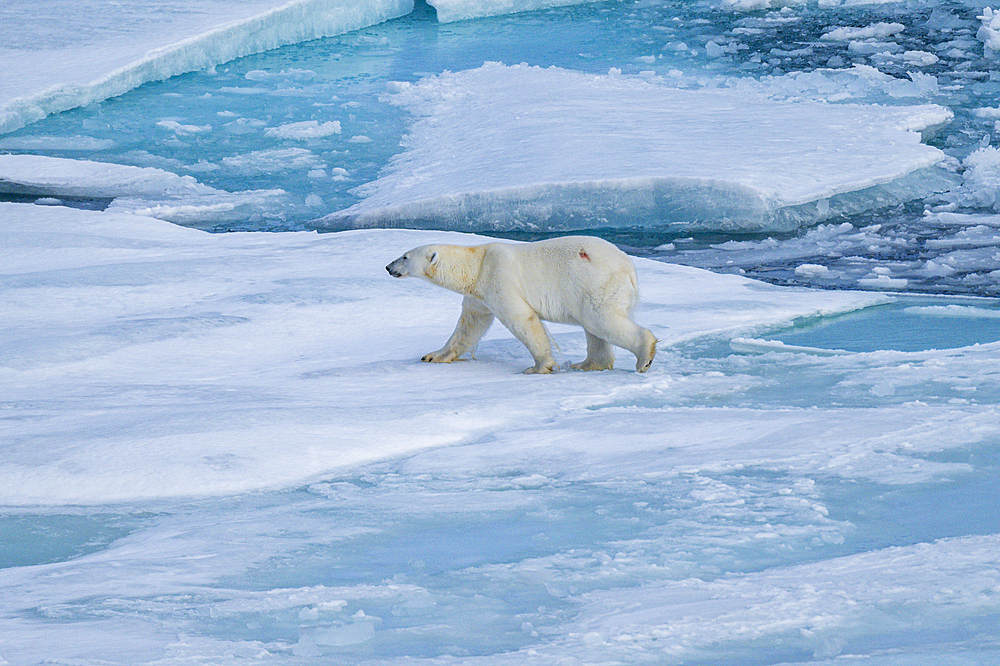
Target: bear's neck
{"type": "Point", "coordinates": [459, 270]}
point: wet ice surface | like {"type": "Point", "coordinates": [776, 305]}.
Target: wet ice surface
{"type": "Point", "coordinates": [220, 448]}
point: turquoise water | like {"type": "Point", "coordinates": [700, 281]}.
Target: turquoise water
{"type": "Point", "coordinates": [908, 325]}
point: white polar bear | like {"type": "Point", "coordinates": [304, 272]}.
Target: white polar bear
{"type": "Point", "coordinates": [571, 280]}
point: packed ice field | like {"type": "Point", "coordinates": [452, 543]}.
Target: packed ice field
{"type": "Point", "coordinates": [220, 447]}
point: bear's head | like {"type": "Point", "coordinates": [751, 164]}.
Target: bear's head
{"type": "Point", "coordinates": [453, 267]}
{"type": "Point", "coordinates": [418, 262]}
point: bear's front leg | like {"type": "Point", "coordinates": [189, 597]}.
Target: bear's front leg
{"type": "Point", "coordinates": [542, 368]}
{"type": "Point", "coordinates": [527, 327]}
{"type": "Point", "coordinates": [440, 356]}
{"type": "Point", "coordinates": [472, 325]}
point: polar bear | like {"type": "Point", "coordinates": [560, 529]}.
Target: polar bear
{"type": "Point", "coordinates": [577, 280]}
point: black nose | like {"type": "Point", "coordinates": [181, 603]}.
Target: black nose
{"type": "Point", "coordinates": [391, 271]}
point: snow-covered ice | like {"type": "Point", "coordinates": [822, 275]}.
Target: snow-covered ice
{"type": "Point", "coordinates": [69, 54]}
{"type": "Point", "coordinates": [36, 174]}
{"type": "Point", "coordinates": [121, 300]}
{"type": "Point", "coordinates": [510, 146]}
{"type": "Point", "coordinates": [186, 415]}
{"type": "Point", "coordinates": [880, 30]}
{"type": "Point", "coordinates": [146, 190]}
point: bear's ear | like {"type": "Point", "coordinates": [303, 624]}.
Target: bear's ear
{"type": "Point", "coordinates": [433, 258]}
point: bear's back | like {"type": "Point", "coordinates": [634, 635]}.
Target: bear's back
{"type": "Point", "coordinates": [562, 278]}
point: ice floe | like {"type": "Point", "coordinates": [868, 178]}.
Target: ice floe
{"type": "Point", "coordinates": [236, 428]}
{"type": "Point", "coordinates": [144, 190]}
{"type": "Point", "coordinates": [517, 146]}
{"type": "Point", "coordinates": [126, 302]}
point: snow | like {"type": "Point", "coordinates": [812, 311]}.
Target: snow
{"type": "Point", "coordinates": [815, 608]}
{"type": "Point", "coordinates": [505, 146]}
{"type": "Point", "coordinates": [308, 129]}
{"type": "Point", "coordinates": [955, 311]}
{"type": "Point", "coordinates": [35, 174]}
{"type": "Point", "coordinates": [867, 32]}
{"type": "Point", "coordinates": [989, 33]}
{"type": "Point", "coordinates": [752, 345]}
{"type": "Point", "coordinates": [146, 190]}
{"type": "Point", "coordinates": [755, 5]}
{"type": "Point", "coordinates": [981, 178]}
{"type": "Point", "coordinates": [84, 51]}
{"type": "Point", "coordinates": [836, 85]}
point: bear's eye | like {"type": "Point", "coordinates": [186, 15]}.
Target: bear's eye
{"type": "Point", "coordinates": [406, 257]}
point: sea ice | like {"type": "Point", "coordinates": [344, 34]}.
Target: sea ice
{"type": "Point", "coordinates": [220, 448]}
{"type": "Point", "coordinates": [308, 129]}
{"type": "Point", "coordinates": [96, 49]}
{"type": "Point", "coordinates": [989, 33]}
{"type": "Point", "coordinates": [868, 32]}
{"type": "Point", "coordinates": [817, 608]}
{"type": "Point", "coordinates": [980, 180]}
{"type": "Point", "coordinates": [234, 438]}
{"type": "Point", "coordinates": [146, 190]}
{"type": "Point", "coordinates": [36, 174]}
{"type": "Point", "coordinates": [123, 301]}
{"type": "Point", "coordinates": [503, 147]}
{"type": "Point", "coordinates": [756, 5]}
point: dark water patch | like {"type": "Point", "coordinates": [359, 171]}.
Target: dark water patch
{"type": "Point", "coordinates": [81, 203]}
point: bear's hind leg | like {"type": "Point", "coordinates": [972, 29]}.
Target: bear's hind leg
{"type": "Point", "coordinates": [625, 333]}
{"type": "Point", "coordinates": [600, 354]}
{"type": "Point", "coordinates": [472, 325]}
{"type": "Point", "coordinates": [644, 357]}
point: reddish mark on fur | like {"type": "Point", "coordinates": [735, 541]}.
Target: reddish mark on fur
{"type": "Point", "coordinates": [584, 255]}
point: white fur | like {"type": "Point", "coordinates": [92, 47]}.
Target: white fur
{"type": "Point", "coordinates": [571, 280]}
